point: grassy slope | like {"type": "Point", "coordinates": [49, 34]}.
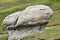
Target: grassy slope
{"type": "Point", "coordinates": [9, 6]}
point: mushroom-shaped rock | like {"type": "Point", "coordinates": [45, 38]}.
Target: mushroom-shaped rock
{"type": "Point", "coordinates": [31, 20]}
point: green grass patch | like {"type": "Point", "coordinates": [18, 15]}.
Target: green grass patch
{"type": "Point", "coordinates": [4, 37]}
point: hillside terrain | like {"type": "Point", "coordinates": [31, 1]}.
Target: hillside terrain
{"type": "Point", "coordinates": [53, 28]}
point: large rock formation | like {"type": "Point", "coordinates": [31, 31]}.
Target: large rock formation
{"type": "Point", "coordinates": [31, 20]}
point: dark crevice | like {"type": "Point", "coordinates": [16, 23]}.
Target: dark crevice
{"type": "Point", "coordinates": [16, 20]}
{"type": "Point", "coordinates": [26, 26]}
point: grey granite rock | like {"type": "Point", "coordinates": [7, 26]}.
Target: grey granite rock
{"type": "Point", "coordinates": [31, 20]}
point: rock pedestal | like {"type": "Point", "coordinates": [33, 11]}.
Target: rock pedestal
{"type": "Point", "coordinates": [22, 31]}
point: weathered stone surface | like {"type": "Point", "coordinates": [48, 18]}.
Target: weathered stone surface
{"type": "Point", "coordinates": [29, 21]}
